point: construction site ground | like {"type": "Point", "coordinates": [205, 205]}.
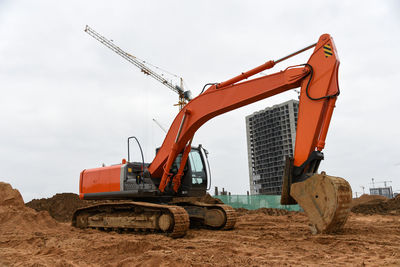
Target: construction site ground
{"type": "Point", "coordinates": [264, 237]}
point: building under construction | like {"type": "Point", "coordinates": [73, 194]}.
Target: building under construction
{"type": "Point", "coordinates": [271, 137]}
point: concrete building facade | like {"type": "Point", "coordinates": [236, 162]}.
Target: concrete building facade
{"type": "Point", "coordinates": [271, 137]}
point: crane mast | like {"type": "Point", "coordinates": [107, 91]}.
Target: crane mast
{"type": "Point", "coordinates": [184, 96]}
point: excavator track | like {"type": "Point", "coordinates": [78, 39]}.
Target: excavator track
{"type": "Point", "coordinates": [211, 216]}
{"type": "Point", "coordinates": [326, 201]}
{"type": "Point", "coordinates": [137, 216]}
{"type": "Point", "coordinates": [231, 217]}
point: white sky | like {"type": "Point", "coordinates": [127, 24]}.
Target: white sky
{"type": "Point", "coordinates": [68, 103]}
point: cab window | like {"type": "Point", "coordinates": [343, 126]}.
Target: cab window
{"type": "Point", "coordinates": [196, 164]}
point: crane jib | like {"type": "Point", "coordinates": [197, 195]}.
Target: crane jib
{"type": "Point", "coordinates": [138, 63]}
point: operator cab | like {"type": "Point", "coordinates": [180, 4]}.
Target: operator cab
{"type": "Point", "coordinates": [195, 174]}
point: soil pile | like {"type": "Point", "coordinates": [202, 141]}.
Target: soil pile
{"type": "Point", "coordinates": [10, 196]}
{"type": "Point", "coordinates": [370, 204]}
{"type": "Point", "coordinates": [267, 211]}
{"type": "Point", "coordinates": [366, 198]}
{"type": "Point", "coordinates": [211, 200]}
{"type": "Point", "coordinates": [15, 217]}
{"type": "Point", "coordinates": [60, 206]}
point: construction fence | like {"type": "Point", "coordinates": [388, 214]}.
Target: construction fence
{"type": "Point", "coordinates": [254, 202]}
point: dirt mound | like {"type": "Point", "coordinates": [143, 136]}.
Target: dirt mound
{"type": "Point", "coordinates": [211, 200]}
{"type": "Point", "coordinates": [366, 198]}
{"type": "Point", "coordinates": [23, 219]}
{"type": "Point", "coordinates": [10, 196]}
{"type": "Point", "coordinates": [370, 204]}
{"type": "Point", "coordinates": [267, 211]}
{"type": "Point", "coordinates": [14, 216]}
{"type": "Point", "coordinates": [60, 206]}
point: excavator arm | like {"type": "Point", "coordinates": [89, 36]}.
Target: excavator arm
{"type": "Point", "coordinates": [325, 199]}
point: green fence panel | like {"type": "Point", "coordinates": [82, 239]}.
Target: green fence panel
{"type": "Point", "coordinates": [256, 201]}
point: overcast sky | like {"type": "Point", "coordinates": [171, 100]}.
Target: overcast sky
{"type": "Point", "coordinates": [68, 103]}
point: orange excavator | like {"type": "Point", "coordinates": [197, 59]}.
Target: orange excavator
{"type": "Point", "coordinates": [166, 195]}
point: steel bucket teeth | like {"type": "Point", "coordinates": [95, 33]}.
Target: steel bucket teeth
{"type": "Point", "coordinates": [326, 201]}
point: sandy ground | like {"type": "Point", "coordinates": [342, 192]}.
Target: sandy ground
{"type": "Point", "coordinates": [31, 238]}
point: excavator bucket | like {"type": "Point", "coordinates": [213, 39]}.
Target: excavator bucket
{"type": "Point", "coordinates": [326, 201]}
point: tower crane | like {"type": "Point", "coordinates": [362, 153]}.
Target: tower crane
{"type": "Point", "coordinates": [159, 125]}
{"type": "Point", "coordinates": [184, 96]}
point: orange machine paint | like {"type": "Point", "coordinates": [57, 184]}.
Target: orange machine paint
{"type": "Point", "coordinates": [104, 179]}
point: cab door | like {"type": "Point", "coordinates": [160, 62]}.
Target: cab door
{"type": "Point", "coordinates": [195, 179]}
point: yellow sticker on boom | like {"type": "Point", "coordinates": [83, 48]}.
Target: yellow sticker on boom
{"type": "Point", "coordinates": [327, 50]}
